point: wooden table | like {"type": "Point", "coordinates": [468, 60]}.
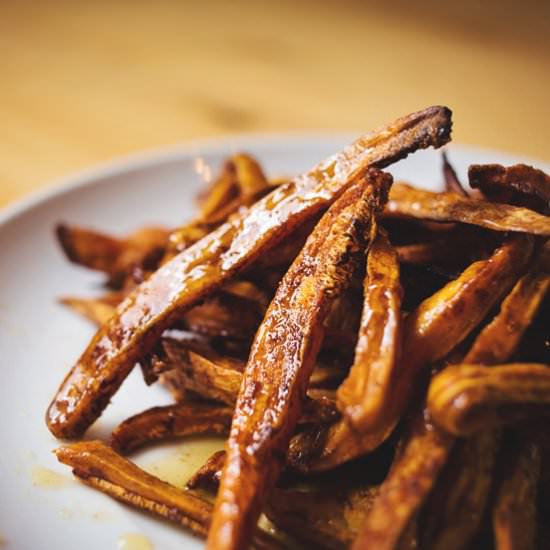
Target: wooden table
{"type": "Point", "coordinates": [82, 82]}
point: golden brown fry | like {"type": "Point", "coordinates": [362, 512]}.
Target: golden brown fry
{"type": "Point", "coordinates": [444, 319]}
{"type": "Point", "coordinates": [101, 467]}
{"type": "Point", "coordinates": [452, 183]}
{"type": "Point", "coordinates": [457, 506]}
{"type": "Point", "coordinates": [464, 399]}
{"type": "Point", "coordinates": [448, 207]}
{"type": "Point", "coordinates": [197, 271]}
{"type": "Point", "coordinates": [283, 356]}
{"type": "Point", "coordinates": [117, 257]}
{"type": "Point", "coordinates": [208, 476]}
{"type": "Point", "coordinates": [162, 423]}
{"type": "Point", "coordinates": [402, 493]}
{"type": "Point", "coordinates": [514, 514]}
{"type": "Point", "coordinates": [520, 177]}
{"type": "Point", "coordinates": [500, 338]}
{"type": "Point", "coordinates": [367, 387]}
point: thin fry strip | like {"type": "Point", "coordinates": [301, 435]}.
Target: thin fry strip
{"type": "Point", "coordinates": [499, 338]}
{"type": "Point", "coordinates": [428, 334]}
{"type": "Point", "coordinates": [403, 492]}
{"type": "Point", "coordinates": [101, 467]}
{"type": "Point", "coordinates": [197, 271]}
{"type": "Point", "coordinates": [449, 207]}
{"type": "Point", "coordinates": [283, 356]}
{"type": "Point", "coordinates": [464, 399]}
{"type": "Point", "coordinates": [452, 183]}
{"type": "Point", "coordinates": [367, 387]}
{"type": "Point", "coordinates": [514, 510]}
{"type": "Point", "coordinates": [162, 423]}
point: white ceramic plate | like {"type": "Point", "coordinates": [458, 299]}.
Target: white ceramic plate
{"type": "Point", "coordinates": [41, 506]}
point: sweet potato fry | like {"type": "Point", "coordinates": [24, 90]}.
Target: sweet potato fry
{"type": "Point", "coordinates": [521, 178]}
{"type": "Point", "coordinates": [116, 257]}
{"type": "Point", "coordinates": [402, 493]}
{"type": "Point", "coordinates": [514, 509]}
{"type": "Point", "coordinates": [367, 386]}
{"type": "Point", "coordinates": [162, 423]}
{"type": "Point", "coordinates": [283, 356]}
{"type": "Point", "coordinates": [465, 399]}
{"type": "Point", "coordinates": [186, 279]}
{"type": "Point", "coordinates": [448, 207]}
{"type": "Point", "coordinates": [452, 183]}
{"type": "Point", "coordinates": [208, 476]}
{"type": "Point", "coordinates": [101, 467]}
{"type": "Point", "coordinates": [443, 320]}
{"type": "Point", "coordinates": [500, 338]}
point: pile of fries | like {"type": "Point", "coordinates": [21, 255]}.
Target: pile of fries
{"type": "Point", "coordinates": [376, 355]}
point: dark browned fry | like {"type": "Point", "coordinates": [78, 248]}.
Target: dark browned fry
{"type": "Point", "coordinates": [283, 356]}
{"type": "Point", "coordinates": [208, 476]}
{"type": "Point", "coordinates": [452, 183]}
{"type": "Point", "coordinates": [411, 478]}
{"type": "Point", "coordinates": [465, 399]}
{"type": "Point", "coordinates": [162, 423]}
{"type": "Point", "coordinates": [449, 207]}
{"type": "Point", "coordinates": [522, 178]}
{"type": "Point", "coordinates": [116, 257]}
{"type": "Point", "coordinates": [514, 509]}
{"type": "Point", "coordinates": [367, 387]}
{"type": "Point", "coordinates": [101, 467]}
{"type": "Point", "coordinates": [186, 279]}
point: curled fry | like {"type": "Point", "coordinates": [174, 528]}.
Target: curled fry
{"type": "Point", "coordinates": [449, 207]}
{"type": "Point", "coordinates": [367, 387]}
{"type": "Point", "coordinates": [464, 399]}
{"type": "Point", "coordinates": [282, 359]}
{"type": "Point", "coordinates": [194, 273]}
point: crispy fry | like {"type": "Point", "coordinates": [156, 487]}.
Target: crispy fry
{"type": "Point", "coordinates": [367, 387]}
{"type": "Point", "coordinates": [116, 257]}
{"type": "Point", "coordinates": [448, 207]}
{"type": "Point", "coordinates": [282, 359]}
{"type": "Point", "coordinates": [465, 399]}
{"type": "Point", "coordinates": [101, 467]}
{"type": "Point", "coordinates": [162, 423]}
{"type": "Point", "coordinates": [443, 320]}
{"type": "Point", "coordinates": [452, 183]}
{"type": "Point", "coordinates": [208, 476]}
{"type": "Point", "coordinates": [498, 340]}
{"type": "Point", "coordinates": [410, 479]}
{"type": "Point", "coordinates": [494, 178]}
{"type": "Point", "coordinates": [187, 278]}
{"type": "Point", "coordinates": [514, 508]}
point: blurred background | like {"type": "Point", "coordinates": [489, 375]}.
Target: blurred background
{"type": "Point", "coordinates": [85, 81]}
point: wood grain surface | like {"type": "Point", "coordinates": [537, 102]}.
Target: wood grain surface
{"type": "Point", "coordinates": [84, 81]}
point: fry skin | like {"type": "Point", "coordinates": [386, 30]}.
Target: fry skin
{"type": "Point", "coordinates": [465, 399]}
{"type": "Point", "coordinates": [282, 358]}
{"type": "Point", "coordinates": [449, 207]}
{"type": "Point", "coordinates": [194, 273]}
{"type": "Point", "coordinates": [361, 396]}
